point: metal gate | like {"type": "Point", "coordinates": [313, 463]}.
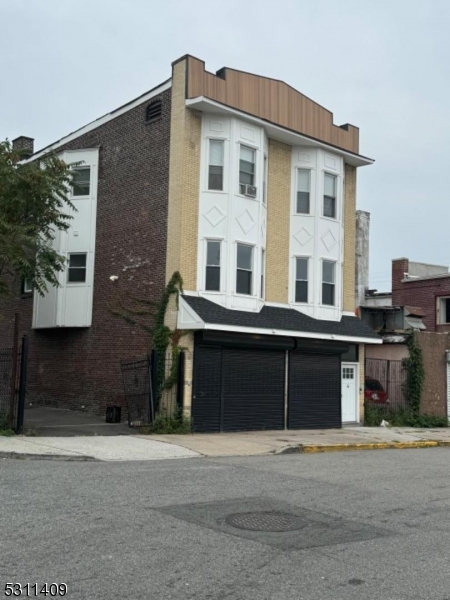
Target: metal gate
{"type": "Point", "coordinates": [391, 375]}
{"type": "Point", "coordinates": [139, 392]}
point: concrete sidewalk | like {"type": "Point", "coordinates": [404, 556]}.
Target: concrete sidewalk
{"type": "Point", "coordinates": [253, 443]}
{"type": "Point", "coordinates": [106, 448]}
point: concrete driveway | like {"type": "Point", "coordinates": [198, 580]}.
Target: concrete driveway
{"type": "Point", "coordinates": [58, 422]}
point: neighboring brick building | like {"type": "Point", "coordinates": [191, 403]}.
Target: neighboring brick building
{"type": "Point", "coordinates": [75, 367]}
{"type": "Point", "coordinates": [425, 286]}
{"type": "Point", "coordinates": [248, 189]}
{"type": "Point", "coordinates": [419, 303]}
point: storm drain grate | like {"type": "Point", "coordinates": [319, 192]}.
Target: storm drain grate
{"type": "Point", "coordinates": [265, 521]}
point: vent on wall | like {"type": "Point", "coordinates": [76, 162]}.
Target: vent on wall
{"type": "Point", "coordinates": [153, 111]}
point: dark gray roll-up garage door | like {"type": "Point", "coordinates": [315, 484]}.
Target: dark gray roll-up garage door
{"type": "Point", "coordinates": [314, 391]}
{"type": "Point", "coordinates": [253, 389]}
{"type": "Point", "coordinates": [238, 389]}
{"type": "Point", "coordinates": [207, 388]}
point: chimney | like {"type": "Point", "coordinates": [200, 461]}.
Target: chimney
{"type": "Point", "coordinates": [24, 144]}
{"type": "Point", "coordinates": [400, 266]}
{"type": "Point", "coordinates": [362, 256]}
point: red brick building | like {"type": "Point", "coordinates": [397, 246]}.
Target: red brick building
{"type": "Point", "coordinates": [425, 286]}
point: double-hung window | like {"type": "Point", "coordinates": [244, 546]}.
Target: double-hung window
{"type": "Point", "coordinates": [244, 269]}
{"type": "Point", "coordinates": [328, 282]}
{"type": "Point", "coordinates": [329, 196]}
{"type": "Point", "coordinates": [444, 310]}
{"type": "Point", "coordinates": [246, 168]}
{"type": "Point", "coordinates": [215, 169]}
{"type": "Point", "coordinates": [303, 191]}
{"type": "Point", "coordinates": [212, 276]}
{"type": "Point", "coordinates": [77, 268]}
{"type": "Point", "coordinates": [81, 182]}
{"type": "Point", "coordinates": [301, 280]}
{"type": "Point", "coordinates": [27, 286]}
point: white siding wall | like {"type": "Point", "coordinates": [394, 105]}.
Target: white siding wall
{"type": "Point", "coordinates": [314, 236]}
{"type": "Point", "coordinates": [70, 305]}
{"type": "Point", "coordinates": [229, 216]}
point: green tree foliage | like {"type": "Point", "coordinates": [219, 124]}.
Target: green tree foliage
{"type": "Point", "coordinates": [34, 205]}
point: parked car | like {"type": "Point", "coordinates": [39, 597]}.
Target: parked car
{"type": "Point", "coordinates": [374, 391]}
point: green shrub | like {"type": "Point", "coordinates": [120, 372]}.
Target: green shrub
{"type": "Point", "coordinates": [373, 415]}
{"type": "Point", "coordinates": [4, 426]}
{"type": "Point", "coordinates": [167, 424]}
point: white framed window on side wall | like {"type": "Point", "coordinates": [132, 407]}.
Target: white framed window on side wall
{"type": "Point", "coordinates": [329, 196]}
{"type": "Point", "coordinates": [76, 272]}
{"type": "Point", "coordinates": [213, 262]}
{"type": "Point", "coordinates": [303, 200]}
{"type": "Point", "coordinates": [247, 171]}
{"type": "Point", "coordinates": [216, 165]}
{"type": "Point", "coordinates": [244, 269]}
{"type": "Point", "coordinates": [328, 283]}
{"type": "Point", "coordinates": [301, 279]}
{"type": "Point", "coordinates": [81, 182]}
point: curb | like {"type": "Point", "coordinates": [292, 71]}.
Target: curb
{"type": "Point", "coordinates": [66, 457]}
{"type": "Point", "coordinates": [372, 446]}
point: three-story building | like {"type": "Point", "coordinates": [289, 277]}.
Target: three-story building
{"type": "Point", "coordinates": [248, 189]}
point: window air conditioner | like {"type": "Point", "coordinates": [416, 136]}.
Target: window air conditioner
{"type": "Point", "coordinates": [248, 190]}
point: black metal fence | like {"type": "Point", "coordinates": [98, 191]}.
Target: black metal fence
{"type": "Point", "coordinates": [6, 365]}
{"type": "Point", "coordinates": [152, 385]}
{"type": "Point", "coordinates": [139, 393]}
{"type": "Point", "coordinates": [392, 376]}
{"type": "Point", "coordinates": [13, 384]}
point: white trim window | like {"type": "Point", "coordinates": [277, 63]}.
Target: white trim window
{"type": "Point", "coordinates": [303, 192]}
{"type": "Point", "coordinates": [27, 286]}
{"type": "Point", "coordinates": [76, 273]}
{"type": "Point", "coordinates": [212, 271]}
{"type": "Point", "coordinates": [444, 311]}
{"type": "Point", "coordinates": [247, 160]}
{"type": "Point", "coordinates": [328, 283]}
{"type": "Point", "coordinates": [263, 273]}
{"type": "Point", "coordinates": [81, 182]}
{"type": "Point", "coordinates": [244, 269]}
{"type": "Point", "coordinates": [329, 196]}
{"type": "Point", "coordinates": [215, 166]}
{"type": "Point", "coordinates": [301, 279]}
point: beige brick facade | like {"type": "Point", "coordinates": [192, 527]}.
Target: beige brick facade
{"type": "Point", "coordinates": [184, 183]}
{"type": "Point", "coordinates": [349, 238]}
{"type": "Point", "coordinates": [187, 341]}
{"type": "Point", "coordinates": [278, 222]}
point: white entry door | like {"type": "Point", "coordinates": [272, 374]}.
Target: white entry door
{"type": "Point", "coordinates": [349, 393]}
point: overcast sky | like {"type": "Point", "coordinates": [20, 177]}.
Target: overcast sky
{"type": "Point", "coordinates": [382, 65]}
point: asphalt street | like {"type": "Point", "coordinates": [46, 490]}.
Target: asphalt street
{"type": "Point", "coordinates": [351, 525]}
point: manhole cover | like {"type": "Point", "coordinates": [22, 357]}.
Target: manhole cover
{"type": "Point", "coordinates": [265, 521]}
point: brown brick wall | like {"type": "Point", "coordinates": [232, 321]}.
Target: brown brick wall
{"type": "Point", "coordinates": [75, 367]}
{"type": "Point", "coordinates": [422, 293]}
{"type": "Point", "coordinates": [434, 397]}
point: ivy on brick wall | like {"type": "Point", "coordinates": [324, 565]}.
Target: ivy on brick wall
{"type": "Point", "coordinates": [415, 374]}
{"type": "Point", "coordinates": [162, 335]}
